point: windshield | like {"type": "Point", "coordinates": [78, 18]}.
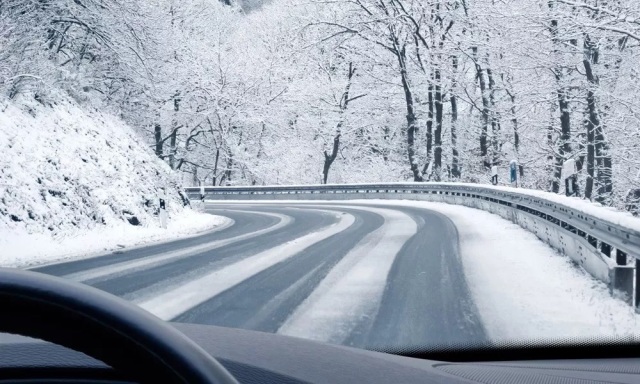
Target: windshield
{"type": "Point", "coordinates": [395, 175]}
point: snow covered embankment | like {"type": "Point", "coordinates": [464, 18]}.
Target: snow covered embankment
{"type": "Point", "coordinates": [76, 182]}
{"type": "Point", "coordinates": [525, 290]}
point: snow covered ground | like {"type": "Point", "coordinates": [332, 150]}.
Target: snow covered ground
{"type": "Point", "coordinates": [75, 182]}
{"type": "Point", "coordinates": [524, 289]}
{"type": "Point", "coordinates": [22, 250]}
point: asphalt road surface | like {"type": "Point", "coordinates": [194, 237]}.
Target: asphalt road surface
{"type": "Point", "coordinates": [365, 275]}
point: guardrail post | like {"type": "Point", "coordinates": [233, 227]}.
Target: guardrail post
{"type": "Point", "coordinates": [623, 276]}
{"type": "Point", "coordinates": [621, 279]}
{"type": "Point", "coordinates": [621, 257]}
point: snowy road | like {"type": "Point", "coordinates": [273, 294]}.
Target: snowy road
{"type": "Point", "coordinates": [370, 275]}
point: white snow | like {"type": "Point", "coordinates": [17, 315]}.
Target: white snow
{"type": "Point", "coordinates": [625, 219]}
{"type": "Point", "coordinates": [22, 250]}
{"type": "Point", "coordinates": [177, 300]}
{"type": "Point", "coordinates": [523, 289]}
{"type": "Point", "coordinates": [354, 287]}
{"type": "Point", "coordinates": [72, 179]}
{"type": "Point", "coordinates": [609, 214]}
{"type": "Point", "coordinates": [112, 270]}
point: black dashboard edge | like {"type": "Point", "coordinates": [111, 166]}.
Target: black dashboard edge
{"type": "Point", "coordinates": [256, 357]}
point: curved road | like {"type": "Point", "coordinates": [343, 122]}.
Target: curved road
{"type": "Point", "coordinates": [365, 275]}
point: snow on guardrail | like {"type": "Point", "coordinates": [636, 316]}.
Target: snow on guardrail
{"type": "Point", "coordinates": [609, 214]}
{"type": "Point", "coordinates": [596, 209]}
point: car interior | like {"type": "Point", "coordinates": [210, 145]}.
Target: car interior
{"type": "Point", "coordinates": [72, 333]}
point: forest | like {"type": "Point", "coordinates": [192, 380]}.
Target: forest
{"type": "Point", "coordinates": [232, 92]}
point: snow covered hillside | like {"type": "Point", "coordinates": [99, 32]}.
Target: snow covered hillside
{"type": "Point", "coordinates": [68, 172]}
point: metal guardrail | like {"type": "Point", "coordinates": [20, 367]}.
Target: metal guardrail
{"type": "Point", "coordinates": [612, 243]}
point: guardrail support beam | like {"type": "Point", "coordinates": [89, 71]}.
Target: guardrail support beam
{"type": "Point", "coordinates": [622, 280]}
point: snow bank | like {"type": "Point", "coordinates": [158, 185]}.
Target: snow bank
{"type": "Point", "coordinates": [75, 181]}
{"type": "Point", "coordinates": [22, 250]}
{"type": "Point", "coordinates": [523, 289]}
{"type": "Point", "coordinates": [610, 214]}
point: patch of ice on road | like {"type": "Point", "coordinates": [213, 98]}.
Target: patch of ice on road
{"type": "Point", "coordinates": [354, 287]}
{"type": "Point", "coordinates": [22, 250]}
{"type": "Point", "coordinates": [525, 290]}
{"type": "Point", "coordinates": [115, 269]}
{"type": "Point", "coordinates": [176, 301]}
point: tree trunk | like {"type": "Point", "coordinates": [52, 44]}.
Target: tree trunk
{"type": "Point", "coordinates": [485, 107]}
{"type": "Point", "coordinates": [564, 146]}
{"type": "Point", "coordinates": [196, 180]}
{"type": "Point", "coordinates": [430, 125]}
{"type": "Point", "coordinates": [227, 172]}
{"type": "Point", "coordinates": [438, 131]}
{"type": "Point", "coordinates": [591, 122]}
{"type": "Point", "coordinates": [174, 133]}
{"type": "Point", "coordinates": [602, 156]}
{"type": "Point", "coordinates": [172, 153]}
{"type": "Point", "coordinates": [495, 120]}
{"type": "Point", "coordinates": [159, 141]}
{"type": "Point", "coordinates": [411, 116]}
{"type": "Point", "coordinates": [555, 183]}
{"type": "Point", "coordinates": [604, 162]}
{"type": "Point", "coordinates": [330, 158]}
{"type": "Point", "coordinates": [429, 133]}
{"type": "Point", "coordinates": [514, 123]}
{"type": "Point", "coordinates": [344, 104]}
{"type": "Point", "coordinates": [455, 170]}
{"type": "Point", "coordinates": [215, 167]}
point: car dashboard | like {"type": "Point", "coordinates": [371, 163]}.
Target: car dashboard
{"type": "Point", "coordinates": [255, 357]}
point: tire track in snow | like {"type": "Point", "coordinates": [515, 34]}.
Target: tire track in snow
{"type": "Point", "coordinates": [265, 301]}
{"type": "Point", "coordinates": [427, 301]}
{"type": "Point", "coordinates": [117, 269]}
{"type": "Point", "coordinates": [353, 289]}
{"type": "Point", "coordinates": [239, 223]}
{"type": "Point", "coordinates": [176, 301]}
{"type": "Point", "coordinates": [146, 283]}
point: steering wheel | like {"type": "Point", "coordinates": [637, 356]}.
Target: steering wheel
{"type": "Point", "coordinates": [104, 327]}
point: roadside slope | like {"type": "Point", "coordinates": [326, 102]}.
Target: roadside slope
{"type": "Point", "coordinates": [74, 181]}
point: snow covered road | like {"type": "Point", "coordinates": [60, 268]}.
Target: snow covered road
{"type": "Point", "coordinates": [377, 274]}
